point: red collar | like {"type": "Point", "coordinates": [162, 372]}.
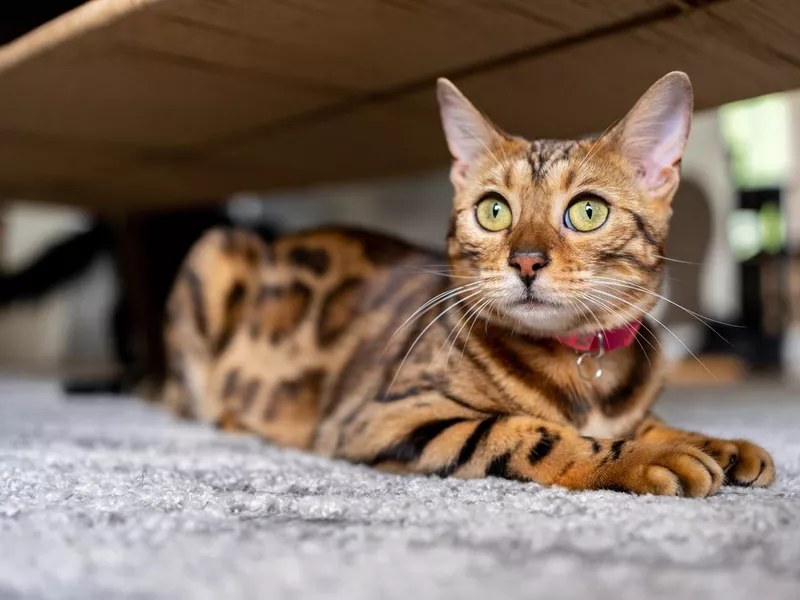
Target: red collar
{"type": "Point", "coordinates": [612, 339]}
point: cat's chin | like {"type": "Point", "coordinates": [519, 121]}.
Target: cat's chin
{"type": "Point", "coordinates": [539, 318]}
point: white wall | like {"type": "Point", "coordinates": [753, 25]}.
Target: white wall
{"type": "Point", "coordinates": [67, 326]}
{"type": "Point", "coordinates": [34, 333]}
{"type": "Point", "coordinates": [791, 349]}
{"type": "Point", "coordinates": [415, 208]}
{"type": "Point", "coordinates": [706, 163]}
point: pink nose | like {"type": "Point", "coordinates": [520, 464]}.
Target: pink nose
{"type": "Point", "coordinates": [528, 263]}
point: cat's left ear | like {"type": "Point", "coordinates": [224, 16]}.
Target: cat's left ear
{"type": "Point", "coordinates": [469, 134]}
{"type": "Point", "coordinates": [654, 133]}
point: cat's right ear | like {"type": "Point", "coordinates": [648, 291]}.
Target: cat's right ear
{"type": "Point", "coordinates": [469, 134]}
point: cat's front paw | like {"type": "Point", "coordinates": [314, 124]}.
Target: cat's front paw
{"type": "Point", "coordinates": [744, 463]}
{"type": "Point", "coordinates": [664, 470]}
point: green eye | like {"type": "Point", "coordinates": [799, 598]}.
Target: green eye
{"type": "Point", "coordinates": [493, 213]}
{"type": "Point", "coordinates": [586, 214]}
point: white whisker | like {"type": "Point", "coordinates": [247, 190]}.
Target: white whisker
{"type": "Point", "coordinates": [680, 262]}
{"type": "Point", "coordinates": [615, 312]}
{"type": "Point", "coordinates": [481, 142]}
{"type": "Point", "coordinates": [449, 275]}
{"type": "Point", "coordinates": [596, 144]}
{"type": "Point", "coordinates": [475, 312]}
{"type": "Point", "coordinates": [427, 327]}
{"type": "Point", "coordinates": [704, 320]}
{"type": "Point", "coordinates": [437, 300]}
{"type": "Point", "coordinates": [672, 333]}
{"type": "Point", "coordinates": [474, 321]}
{"type": "Point", "coordinates": [464, 318]}
{"type": "Point", "coordinates": [610, 309]}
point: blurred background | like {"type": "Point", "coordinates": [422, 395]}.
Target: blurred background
{"type": "Point", "coordinates": [735, 243]}
{"type": "Point", "coordinates": [736, 227]}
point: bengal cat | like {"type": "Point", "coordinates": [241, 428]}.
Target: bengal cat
{"type": "Point", "coordinates": [528, 354]}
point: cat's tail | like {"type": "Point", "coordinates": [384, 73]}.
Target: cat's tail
{"type": "Point", "coordinates": [58, 265]}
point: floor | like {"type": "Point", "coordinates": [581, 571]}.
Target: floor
{"type": "Point", "coordinates": [109, 498]}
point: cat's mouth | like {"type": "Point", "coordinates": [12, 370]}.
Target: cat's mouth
{"type": "Point", "coordinates": [537, 308]}
{"type": "Point", "coordinates": [532, 299]}
{"type": "Point", "coordinates": [538, 313]}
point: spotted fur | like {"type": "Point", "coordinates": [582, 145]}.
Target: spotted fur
{"type": "Point", "coordinates": [361, 347]}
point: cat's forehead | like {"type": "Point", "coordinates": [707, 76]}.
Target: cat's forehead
{"type": "Point", "coordinates": [545, 165]}
{"type": "Point", "coordinates": [544, 155]}
{"type": "Point", "coordinates": [537, 163]}
{"type": "Point", "coordinates": [559, 164]}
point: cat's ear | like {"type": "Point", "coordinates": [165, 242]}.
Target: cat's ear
{"type": "Point", "coordinates": [469, 134]}
{"type": "Point", "coordinates": [653, 134]}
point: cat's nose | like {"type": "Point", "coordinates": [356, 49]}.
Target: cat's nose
{"type": "Point", "coordinates": [528, 263]}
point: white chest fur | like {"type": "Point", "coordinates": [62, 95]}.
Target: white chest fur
{"type": "Point", "coordinates": [600, 426]}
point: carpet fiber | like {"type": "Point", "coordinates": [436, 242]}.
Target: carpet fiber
{"type": "Point", "coordinates": [107, 498]}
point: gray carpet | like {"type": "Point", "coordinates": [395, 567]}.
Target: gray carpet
{"type": "Point", "coordinates": [104, 498]}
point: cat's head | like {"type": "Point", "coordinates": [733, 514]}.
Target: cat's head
{"type": "Point", "coordinates": [564, 236]}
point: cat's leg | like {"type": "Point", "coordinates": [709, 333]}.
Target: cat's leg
{"type": "Point", "coordinates": [744, 462]}
{"type": "Point", "coordinates": [433, 436]}
{"type": "Point", "coordinates": [218, 279]}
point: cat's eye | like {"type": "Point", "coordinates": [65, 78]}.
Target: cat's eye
{"type": "Point", "coordinates": [493, 213]}
{"type": "Point", "coordinates": [586, 214]}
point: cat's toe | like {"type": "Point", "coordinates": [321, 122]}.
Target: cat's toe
{"type": "Point", "coordinates": [754, 467]}
{"type": "Point", "coordinates": [669, 470]}
{"type": "Point", "coordinates": [699, 476]}
{"type": "Point", "coordinates": [725, 453]}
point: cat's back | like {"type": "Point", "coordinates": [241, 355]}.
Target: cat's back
{"type": "Point", "coordinates": [326, 253]}
{"type": "Point", "coordinates": [339, 281]}
{"type": "Point", "coordinates": [253, 322]}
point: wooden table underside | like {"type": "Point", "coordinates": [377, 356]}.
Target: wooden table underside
{"type": "Point", "coordinates": [134, 104]}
